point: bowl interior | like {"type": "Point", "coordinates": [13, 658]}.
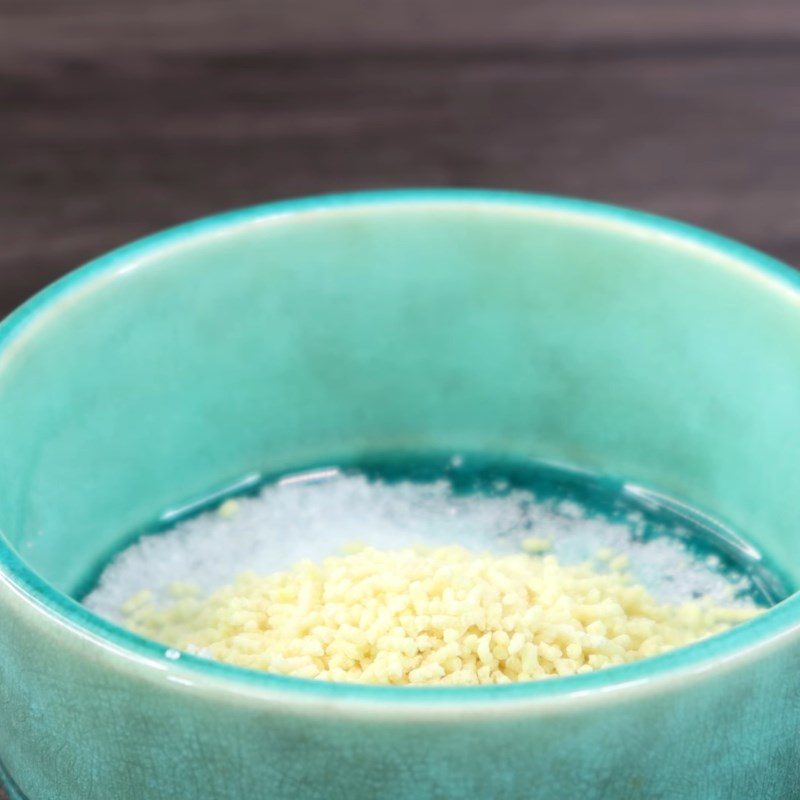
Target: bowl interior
{"type": "Point", "coordinates": [299, 334]}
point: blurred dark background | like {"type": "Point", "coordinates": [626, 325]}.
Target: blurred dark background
{"type": "Point", "coordinates": [118, 117]}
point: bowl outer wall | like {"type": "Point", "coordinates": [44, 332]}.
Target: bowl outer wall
{"type": "Point", "coordinates": [94, 713]}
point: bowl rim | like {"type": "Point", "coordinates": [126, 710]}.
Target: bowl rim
{"type": "Point", "coordinates": [742, 642]}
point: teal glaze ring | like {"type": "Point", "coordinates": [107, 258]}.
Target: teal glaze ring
{"type": "Point", "coordinates": [573, 332]}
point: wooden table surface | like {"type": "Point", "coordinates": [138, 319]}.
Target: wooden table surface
{"type": "Point", "coordinates": [119, 118]}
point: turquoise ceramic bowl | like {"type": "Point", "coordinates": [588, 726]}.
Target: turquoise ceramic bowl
{"type": "Point", "coordinates": [312, 331]}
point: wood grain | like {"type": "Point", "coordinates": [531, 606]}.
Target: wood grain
{"type": "Point", "coordinates": [98, 151]}
{"type": "Point", "coordinates": [110, 130]}
{"type": "Point", "coordinates": [109, 27]}
{"type": "Point", "coordinates": [119, 118]}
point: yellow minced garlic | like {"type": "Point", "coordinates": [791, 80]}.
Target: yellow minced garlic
{"type": "Point", "coordinates": [429, 616]}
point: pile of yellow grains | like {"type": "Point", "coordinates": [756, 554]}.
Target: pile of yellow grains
{"type": "Point", "coordinates": [430, 616]}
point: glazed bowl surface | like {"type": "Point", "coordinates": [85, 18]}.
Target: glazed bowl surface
{"type": "Point", "coordinates": [314, 331]}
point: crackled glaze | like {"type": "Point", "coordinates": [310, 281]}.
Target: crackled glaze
{"type": "Point", "coordinates": [314, 330]}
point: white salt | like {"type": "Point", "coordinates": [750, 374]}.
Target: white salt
{"type": "Point", "coordinates": [318, 514]}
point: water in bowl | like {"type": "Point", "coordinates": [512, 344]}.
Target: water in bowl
{"type": "Point", "coordinates": [270, 523]}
